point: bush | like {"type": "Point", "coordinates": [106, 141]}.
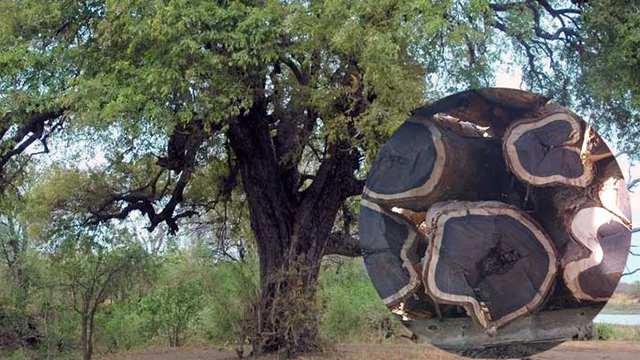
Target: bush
{"type": "Point", "coordinates": [228, 316]}
{"type": "Point", "coordinates": [171, 310]}
{"type": "Point", "coordinates": [59, 327]}
{"type": "Point", "coordinates": [19, 354]}
{"type": "Point", "coordinates": [615, 332]}
{"type": "Point", "coordinates": [121, 327]}
{"type": "Point", "coordinates": [351, 307]}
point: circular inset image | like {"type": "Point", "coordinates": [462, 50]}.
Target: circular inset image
{"type": "Point", "coordinates": [495, 223]}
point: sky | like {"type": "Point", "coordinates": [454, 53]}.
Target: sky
{"type": "Point", "coordinates": [513, 79]}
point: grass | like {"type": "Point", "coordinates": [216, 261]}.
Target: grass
{"type": "Point", "coordinates": [616, 332]}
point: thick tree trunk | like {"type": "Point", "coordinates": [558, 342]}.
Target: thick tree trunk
{"type": "Point", "coordinates": [286, 317]}
{"type": "Point", "coordinates": [480, 251]}
{"type": "Point", "coordinates": [292, 230]}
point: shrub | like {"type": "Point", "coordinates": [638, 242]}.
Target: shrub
{"type": "Point", "coordinates": [615, 332]}
{"type": "Point", "coordinates": [351, 307]}
{"type": "Point", "coordinates": [228, 315]}
{"type": "Point", "coordinates": [172, 309]}
{"type": "Point", "coordinates": [121, 327]}
{"type": "Point", "coordinates": [19, 354]}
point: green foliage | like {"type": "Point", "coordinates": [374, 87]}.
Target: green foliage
{"type": "Point", "coordinates": [614, 332]}
{"type": "Point", "coordinates": [173, 308]}
{"type": "Point", "coordinates": [121, 327]}
{"type": "Point", "coordinates": [614, 39]}
{"type": "Point", "coordinates": [129, 72]}
{"type": "Point", "coordinates": [229, 301]}
{"type": "Point", "coordinates": [352, 308]}
{"type": "Point", "coordinates": [19, 354]}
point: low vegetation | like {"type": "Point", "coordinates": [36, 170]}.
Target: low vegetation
{"type": "Point", "coordinates": [626, 300]}
{"type": "Point", "coordinates": [181, 297]}
{"type": "Point", "coordinates": [616, 332]}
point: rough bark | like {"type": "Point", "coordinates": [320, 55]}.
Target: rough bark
{"type": "Point", "coordinates": [292, 232]}
{"type": "Point", "coordinates": [495, 108]}
{"type": "Point", "coordinates": [479, 251]}
{"type": "Point", "coordinates": [429, 160]}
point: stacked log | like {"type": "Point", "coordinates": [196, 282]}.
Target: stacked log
{"type": "Point", "coordinates": [428, 160]}
{"type": "Point", "coordinates": [545, 149]}
{"type": "Point", "coordinates": [391, 252]}
{"type": "Point", "coordinates": [494, 205]}
{"type": "Point", "coordinates": [481, 251]}
{"type": "Point", "coordinates": [598, 222]}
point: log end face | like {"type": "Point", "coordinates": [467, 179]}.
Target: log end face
{"type": "Point", "coordinates": [608, 239]}
{"type": "Point", "coordinates": [391, 245]}
{"type": "Point", "coordinates": [407, 168]}
{"type": "Point", "coordinates": [546, 150]}
{"type": "Point", "coordinates": [481, 251]}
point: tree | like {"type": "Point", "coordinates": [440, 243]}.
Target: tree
{"type": "Point", "coordinates": [13, 248]}
{"type": "Point", "coordinates": [176, 304]}
{"type": "Point", "coordinates": [91, 273]}
{"type": "Point", "coordinates": [279, 104]}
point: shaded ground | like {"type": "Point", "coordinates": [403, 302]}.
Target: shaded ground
{"type": "Point", "coordinates": [615, 350]}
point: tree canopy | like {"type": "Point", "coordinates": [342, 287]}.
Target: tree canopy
{"type": "Point", "coordinates": [187, 109]}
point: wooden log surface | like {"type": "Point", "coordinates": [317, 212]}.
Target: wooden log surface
{"type": "Point", "coordinates": [480, 251]}
{"type": "Point", "coordinates": [521, 338]}
{"type": "Point", "coordinates": [561, 243]}
{"type": "Point", "coordinates": [422, 163]}
{"type": "Point", "coordinates": [545, 149]}
{"type": "Point", "coordinates": [613, 193]}
{"type": "Point", "coordinates": [600, 224]}
{"type": "Point", "coordinates": [595, 277]}
{"type": "Point", "coordinates": [391, 244]}
{"type": "Point", "coordinates": [492, 107]}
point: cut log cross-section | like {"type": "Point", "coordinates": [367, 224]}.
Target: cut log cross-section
{"type": "Point", "coordinates": [498, 208]}
{"type": "Point", "coordinates": [546, 150]}
{"type": "Point", "coordinates": [607, 238]}
{"type": "Point", "coordinates": [391, 244]}
{"type": "Point", "coordinates": [423, 163]}
{"type": "Point", "coordinates": [603, 227]}
{"type": "Point", "coordinates": [490, 258]}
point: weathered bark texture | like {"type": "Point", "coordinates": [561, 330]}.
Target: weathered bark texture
{"type": "Point", "coordinates": [495, 108]}
{"type": "Point", "coordinates": [391, 246]}
{"type": "Point", "coordinates": [480, 251]}
{"type": "Point", "coordinates": [545, 150]}
{"type": "Point", "coordinates": [422, 163]}
{"type": "Point", "coordinates": [292, 229]}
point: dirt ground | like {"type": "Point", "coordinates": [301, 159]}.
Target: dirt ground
{"type": "Point", "coordinates": [594, 350]}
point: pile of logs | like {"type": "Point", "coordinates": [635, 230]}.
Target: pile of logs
{"type": "Point", "coordinates": [494, 205]}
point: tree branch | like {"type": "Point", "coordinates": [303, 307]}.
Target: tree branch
{"type": "Point", "coordinates": [182, 148]}
{"type": "Point", "coordinates": [631, 272]}
{"type": "Point", "coordinates": [345, 245]}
